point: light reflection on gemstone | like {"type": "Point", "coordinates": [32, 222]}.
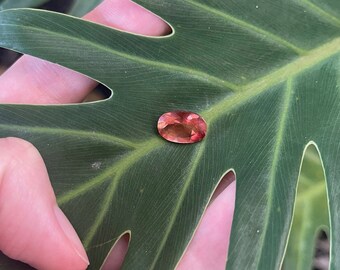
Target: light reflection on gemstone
{"type": "Point", "coordinates": [182, 127]}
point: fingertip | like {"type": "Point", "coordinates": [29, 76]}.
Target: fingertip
{"type": "Point", "coordinates": [30, 229]}
{"type": "Point", "coordinates": [71, 234]}
{"type": "Point", "coordinates": [129, 16]}
{"type": "Point", "coordinates": [115, 258]}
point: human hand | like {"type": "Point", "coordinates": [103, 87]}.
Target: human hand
{"type": "Point", "coordinates": [32, 227]}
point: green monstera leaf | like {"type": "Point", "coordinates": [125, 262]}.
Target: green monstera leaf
{"type": "Point", "coordinates": [263, 74]}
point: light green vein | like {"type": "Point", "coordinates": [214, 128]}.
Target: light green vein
{"type": "Point", "coordinates": [194, 73]}
{"type": "Point", "coordinates": [321, 13]}
{"type": "Point", "coordinates": [122, 165]}
{"type": "Point", "coordinates": [103, 210]}
{"type": "Point", "coordinates": [72, 132]}
{"type": "Point", "coordinates": [87, 186]}
{"type": "Point", "coordinates": [122, 168]}
{"type": "Point", "coordinates": [249, 27]}
{"type": "Point", "coordinates": [194, 164]}
{"type": "Point", "coordinates": [283, 116]}
{"type": "Point", "coordinates": [263, 84]}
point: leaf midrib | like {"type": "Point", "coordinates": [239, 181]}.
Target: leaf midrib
{"type": "Point", "coordinates": [263, 84]}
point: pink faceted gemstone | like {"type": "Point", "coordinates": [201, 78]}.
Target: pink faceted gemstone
{"type": "Point", "coordinates": [182, 127]}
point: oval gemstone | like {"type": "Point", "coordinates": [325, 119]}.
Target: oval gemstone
{"type": "Point", "coordinates": [182, 127]}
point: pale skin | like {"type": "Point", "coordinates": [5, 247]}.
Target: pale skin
{"type": "Point", "coordinates": [32, 227]}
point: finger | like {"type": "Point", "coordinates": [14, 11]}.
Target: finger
{"type": "Point", "coordinates": [32, 227]}
{"type": "Point", "coordinates": [129, 16]}
{"type": "Point", "coordinates": [116, 257]}
{"type": "Point", "coordinates": [209, 247]}
{"type": "Point", "coordinates": [52, 84]}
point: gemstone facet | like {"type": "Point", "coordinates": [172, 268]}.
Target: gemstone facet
{"type": "Point", "coordinates": [182, 127]}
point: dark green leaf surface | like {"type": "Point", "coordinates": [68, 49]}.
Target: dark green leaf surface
{"type": "Point", "coordinates": [265, 76]}
{"type": "Point", "coordinates": [310, 213]}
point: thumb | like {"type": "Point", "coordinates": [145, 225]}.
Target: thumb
{"type": "Point", "coordinates": [32, 227]}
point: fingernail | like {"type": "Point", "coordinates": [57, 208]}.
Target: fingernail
{"type": "Point", "coordinates": [71, 234]}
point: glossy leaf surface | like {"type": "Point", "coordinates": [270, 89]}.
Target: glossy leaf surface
{"type": "Point", "coordinates": [265, 77]}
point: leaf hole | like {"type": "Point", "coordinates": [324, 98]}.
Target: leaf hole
{"type": "Point", "coordinates": [130, 17]}
{"type": "Point", "coordinates": [225, 181]}
{"type": "Point", "coordinates": [101, 92]}
{"type": "Point", "coordinates": [213, 232]}
{"type": "Point", "coordinates": [308, 245]}
{"type": "Point", "coordinates": [155, 27]}
{"type": "Point", "coordinates": [116, 256]}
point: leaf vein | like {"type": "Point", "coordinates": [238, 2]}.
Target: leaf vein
{"type": "Point", "coordinates": [275, 160]}
{"type": "Point", "coordinates": [196, 158]}
{"type": "Point", "coordinates": [322, 14]}
{"type": "Point", "coordinates": [73, 132]}
{"type": "Point", "coordinates": [266, 35]}
{"type": "Point", "coordinates": [103, 209]}
{"type": "Point", "coordinates": [189, 71]}
{"type": "Point", "coordinates": [120, 166]}
{"type": "Point", "coordinates": [263, 84]}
